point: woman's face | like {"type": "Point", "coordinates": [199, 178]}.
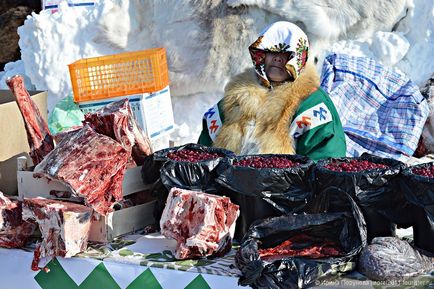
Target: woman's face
{"type": "Point", "coordinates": [275, 66]}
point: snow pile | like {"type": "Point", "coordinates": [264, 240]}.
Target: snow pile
{"type": "Point", "coordinates": [49, 42]}
{"type": "Point", "coordinates": [206, 45]}
{"type": "Point", "coordinates": [14, 68]}
{"type": "Point", "coordinates": [410, 48]}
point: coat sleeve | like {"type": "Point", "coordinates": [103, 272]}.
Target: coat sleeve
{"type": "Point", "coordinates": [317, 128]}
{"type": "Point", "coordinates": [212, 122]}
{"type": "Point", "coordinates": [322, 142]}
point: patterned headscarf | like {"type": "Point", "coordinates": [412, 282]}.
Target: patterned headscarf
{"type": "Point", "coordinates": [280, 36]}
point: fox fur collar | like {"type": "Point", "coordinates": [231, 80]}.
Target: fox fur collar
{"type": "Point", "coordinates": [253, 111]}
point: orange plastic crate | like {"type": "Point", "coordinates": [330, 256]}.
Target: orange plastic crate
{"type": "Point", "coordinates": [120, 74]}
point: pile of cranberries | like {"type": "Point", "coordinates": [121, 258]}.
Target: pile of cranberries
{"type": "Point", "coordinates": [425, 172]}
{"type": "Point", "coordinates": [262, 162]}
{"type": "Point", "coordinates": [354, 165]}
{"type": "Point", "coordinates": [192, 156]}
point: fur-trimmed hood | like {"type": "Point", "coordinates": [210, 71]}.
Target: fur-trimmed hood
{"type": "Point", "coordinates": [257, 119]}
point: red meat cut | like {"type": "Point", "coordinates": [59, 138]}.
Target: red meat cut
{"type": "Point", "coordinates": [10, 213]}
{"type": "Point", "coordinates": [91, 164]}
{"type": "Point", "coordinates": [14, 232]}
{"type": "Point", "coordinates": [17, 237]}
{"type": "Point", "coordinates": [66, 134]}
{"type": "Point", "coordinates": [202, 224]}
{"type": "Point", "coordinates": [302, 246]}
{"type": "Point", "coordinates": [38, 134]}
{"type": "Point", "coordinates": [116, 120]}
{"type": "Point", "coordinates": [64, 226]}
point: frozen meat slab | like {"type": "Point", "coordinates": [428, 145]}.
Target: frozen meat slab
{"type": "Point", "coordinates": [10, 213]}
{"type": "Point", "coordinates": [38, 135]}
{"type": "Point", "coordinates": [116, 120]}
{"type": "Point", "coordinates": [64, 226]}
{"type": "Point", "coordinates": [91, 164]}
{"type": "Point", "coordinates": [202, 224]}
{"type": "Point", "coordinates": [14, 232]}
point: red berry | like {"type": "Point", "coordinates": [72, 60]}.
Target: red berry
{"type": "Point", "coordinates": [427, 171]}
{"type": "Point", "coordinates": [192, 155]}
{"type": "Point", "coordinates": [264, 162]}
{"type": "Point", "coordinates": [353, 165]}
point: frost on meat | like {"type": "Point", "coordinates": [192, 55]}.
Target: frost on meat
{"type": "Point", "coordinates": [14, 232]}
{"type": "Point", "coordinates": [64, 226]}
{"type": "Point", "coordinates": [117, 121]}
{"type": "Point", "coordinates": [38, 134]}
{"type": "Point", "coordinates": [202, 224]}
{"type": "Point", "coordinates": [91, 164]}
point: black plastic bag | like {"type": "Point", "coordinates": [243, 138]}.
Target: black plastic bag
{"type": "Point", "coordinates": [370, 188]}
{"type": "Point", "coordinates": [419, 191]}
{"type": "Point", "coordinates": [150, 173]}
{"type": "Point", "coordinates": [152, 164]}
{"type": "Point", "coordinates": [376, 191]}
{"type": "Point", "coordinates": [346, 228]}
{"type": "Point", "coordinates": [198, 175]}
{"type": "Point", "coordinates": [265, 192]}
{"type": "Point", "coordinates": [166, 173]}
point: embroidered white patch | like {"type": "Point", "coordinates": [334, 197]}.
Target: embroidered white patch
{"type": "Point", "coordinates": [213, 121]}
{"type": "Point", "coordinates": [309, 119]}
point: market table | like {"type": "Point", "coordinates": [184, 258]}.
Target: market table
{"type": "Point", "coordinates": [146, 261]}
{"type": "Point", "coordinates": [128, 263]}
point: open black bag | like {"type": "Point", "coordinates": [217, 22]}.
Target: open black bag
{"type": "Point", "coordinates": [150, 173]}
{"type": "Point", "coordinates": [152, 164]}
{"type": "Point", "coordinates": [265, 192]}
{"type": "Point", "coordinates": [376, 191]}
{"type": "Point", "coordinates": [343, 223]}
{"type": "Point", "coordinates": [198, 175]}
{"type": "Point", "coordinates": [166, 173]}
{"type": "Point", "coordinates": [419, 191]}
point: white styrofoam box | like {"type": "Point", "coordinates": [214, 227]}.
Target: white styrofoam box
{"type": "Point", "coordinates": [31, 187]}
{"type": "Point", "coordinates": [153, 111]}
{"type": "Point", "coordinates": [121, 222]}
{"type": "Point", "coordinates": [102, 228]}
{"type": "Point", "coordinates": [53, 5]}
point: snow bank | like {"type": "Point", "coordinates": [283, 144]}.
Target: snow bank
{"type": "Point", "coordinates": [14, 68]}
{"type": "Point", "coordinates": [409, 49]}
{"type": "Point", "coordinates": [205, 45]}
{"type": "Point", "coordinates": [418, 28]}
{"type": "Point", "coordinates": [49, 42]}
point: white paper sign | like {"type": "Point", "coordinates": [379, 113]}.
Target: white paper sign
{"type": "Point", "coordinates": [152, 111]}
{"type": "Point", "coordinates": [158, 113]}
